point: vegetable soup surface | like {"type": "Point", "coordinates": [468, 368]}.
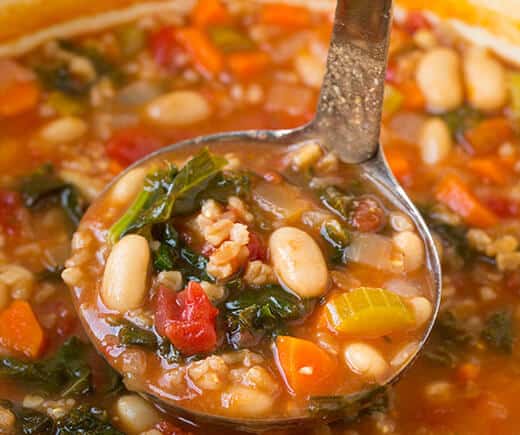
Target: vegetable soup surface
{"type": "Point", "coordinates": [224, 322]}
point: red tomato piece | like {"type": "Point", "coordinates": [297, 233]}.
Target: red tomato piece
{"type": "Point", "coordinates": [257, 249]}
{"type": "Point", "coordinates": [166, 50]}
{"type": "Point", "coordinates": [504, 207]}
{"type": "Point", "coordinates": [187, 319]}
{"type": "Point", "coordinates": [10, 212]}
{"type": "Point", "coordinates": [131, 144]}
{"type": "Point", "coordinates": [416, 20]}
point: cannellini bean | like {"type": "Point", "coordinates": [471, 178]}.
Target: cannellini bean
{"type": "Point", "coordinates": [412, 247]}
{"type": "Point", "coordinates": [486, 83]}
{"type": "Point", "coordinates": [298, 262]}
{"type": "Point", "coordinates": [136, 414]}
{"type": "Point", "coordinates": [435, 141]}
{"type": "Point", "coordinates": [127, 188]}
{"type": "Point", "coordinates": [65, 129]}
{"type": "Point", "coordinates": [178, 108]}
{"type": "Point", "coordinates": [422, 308]}
{"type": "Point", "coordinates": [126, 274]}
{"type": "Point", "coordinates": [247, 402]}
{"type": "Point", "coordinates": [439, 78]}
{"type": "Point", "coordinates": [366, 361]}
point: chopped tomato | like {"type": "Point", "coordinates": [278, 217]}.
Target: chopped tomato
{"type": "Point", "coordinates": [505, 208]}
{"type": "Point", "coordinates": [10, 212]}
{"type": "Point", "coordinates": [415, 20]}
{"type": "Point", "coordinates": [165, 49]}
{"type": "Point", "coordinates": [368, 215]}
{"type": "Point", "coordinates": [487, 136]}
{"type": "Point", "coordinates": [187, 318]}
{"type": "Point", "coordinates": [257, 249]}
{"type": "Point", "coordinates": [129, 145]}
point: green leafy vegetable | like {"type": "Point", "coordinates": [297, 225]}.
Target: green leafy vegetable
{"type": "Point", "coordinates": [44, 187]}
{"type": "Point", "coordinates": [131, 39]}
{"type": "Point", "coordinates": [449, 339]}
{"type": "Point", "coordinates": [259, 311]}
{"type": "Point", "coordinates": [51, 273]}
{"type": "Point", "coordinates": [498, 331]}
{"type": "Point", "coordinates": [337, 201]}
{"type": "Point", "coordinates": [349, 408]}
{"type": "Point", "coordinates": [58, 77]}
{"type": "Point", "coordinates": [229, 40]}
{"type": "Point", "coordinates": [86, 419]}
{"type": "Point", "coordinates": [461, 119]}
{"type": "Point", "coordinates": [162, 189]}
{"type": "Point", "coordinates": [337, 236]}
{"type": "Point", "coordinates": [66, 105]}
{"type": "Point", "coordinates": [29, 421]}
{"type": "Point", "coordinates": [66, 373]}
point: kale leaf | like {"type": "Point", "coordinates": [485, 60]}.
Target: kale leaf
{"type": "Point", "coordinates": [44, 187]}
{"type": "Point", "coordinates": [461, 119]}
{"type": "Point", "coordinates": [86, 419]}
{"type": "Point", "coordinates": [350, 407]}
{"type": "Point", "coordinates": [155, 203]}
{"type": "Point", "coordinates": [337, 201]}
{"type": "Point", "coordinates": [257, 312]}
{"type": "Point", "coordinates": [337, 237]}
{"type": "Point", "coordinates": [498, 331]}
{"type": "Point", "coordinates": [29, 421]}
{"type": "Point", "coordinates": [66, 373]}
{"type": "Point", "coordinates": [449, 338]}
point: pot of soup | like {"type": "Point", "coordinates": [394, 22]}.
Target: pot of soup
{"type": "Point", "coordinates": [280, 283]}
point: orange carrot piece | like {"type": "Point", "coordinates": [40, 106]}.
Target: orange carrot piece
{"type": "Point", "coordinates": [305, 367]}
{"type": "Point", "coordinates": [457, 196]}
{"type": "Point", "coordinates": [20, 329]}
{"type": "Point", "coordinates": [203, 52]}
{"type": "Point", "coordinates": [400, 166]}
{"type": "Point", "coordinates": [490, 169]}
{"type": "Point", "coordinates": [468, 372]}
{"type": "Point", "coordinates": [286, 16]}
{"type": "Point", "coordinates": [488, 135]}
{"type": "Point", "coordinates": [244, 65]}
{"type": "Point", "coordinates": [18, 98]}
{"type": "Point", "coordinates": [413, 96]}
{"type": "Point", "coordinates": [210, 12]}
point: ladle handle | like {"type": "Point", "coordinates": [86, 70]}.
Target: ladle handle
{"type": "Point", "coordinates": [349, 110]}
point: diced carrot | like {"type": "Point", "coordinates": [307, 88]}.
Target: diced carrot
{"type": "Point", "coordinates": [18, 97]}
{"type": "Point", "coordinates": [210, 12]}
{"type": "Point", "coordinates": [244, 65]}
{"type": "Point", "coordinates": [400, 166]}
{"type": "Point", "coordinates": [453, 192]}
{"type": "Point", "coordinates": [489, 169]}
{"type": "Point", "coordinates": [413, 96]}
{"type": "Point", "coordinates": [20, 330]}
{"type": "Point", "coordinates": [305, 367]}
{"type": "Point", "coordinates": [286, 16]}
{"type": "Point", "coordinates": [468, 372]}
{"type": "Point", "coordinates": [488, 135]}
{"type": "Point", "coordinates": [204, 54]}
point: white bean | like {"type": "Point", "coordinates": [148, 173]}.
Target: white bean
{"type": "Point", "coordinates": [126, 274]}
{"type": "Point", "coordinates": [136, 414]}
{"type": "Point", "coordinates": [298, 262]}
{"type": "Point", "coordinates": [486, 84]}
{"type": "Point", "coordinates": [412, 247]}
{"type": "Point", "coordinates": [178, 108]}
{"type": "Point", "coordinates": [435, 141]}
{"type": "Point", "coordinates": [247, 402]}
{"type": "Point", "coordinates": [439, 78]}
{"type": "Point", "coordinates": [127, 188]}
{"type": "Point", "coordinates": [422, 309]}
{"type": "Point", "coordinates": [366, 361]}
{"type": "Point", "coordinates": [65, 129]}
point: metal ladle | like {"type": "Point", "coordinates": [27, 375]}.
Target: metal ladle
{"type": "Point", "coordinates": [348, 123]}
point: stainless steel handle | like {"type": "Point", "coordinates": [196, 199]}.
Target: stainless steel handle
{"type": "Point", "coordinates": [349, 110]}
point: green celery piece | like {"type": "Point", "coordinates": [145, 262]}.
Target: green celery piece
{"type": "Point", "coordinates": [392, 101]}
{"type": "Point", "coordinates": [156, 201]}
{"type": "Point", "coordinates": [514, 89]}
{"type": "Point", "coordinates": [229, 39]}
{"type": "Point", "coordinates": [369, 312]}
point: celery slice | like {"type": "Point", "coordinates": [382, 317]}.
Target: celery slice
{"type": "Point", "coordinates": [369, 312]}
